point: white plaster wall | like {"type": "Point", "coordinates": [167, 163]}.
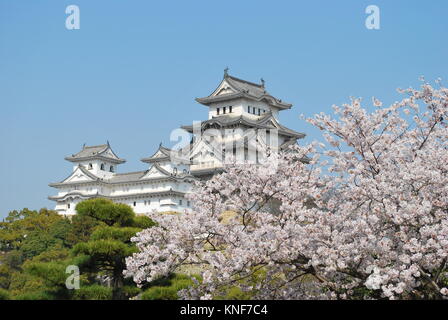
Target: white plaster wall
{"type": "Point", "coordinates": [237, 108]}
{"type": "Point", "coordinates": [240, 106]}
{"type": "Point", "coordinates": [152, 204]}
{"type": "Point", "coordinates": [96, 167]}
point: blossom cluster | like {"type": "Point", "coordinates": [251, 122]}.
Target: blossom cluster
{"type": "Point", "coordinates": [363, 216]}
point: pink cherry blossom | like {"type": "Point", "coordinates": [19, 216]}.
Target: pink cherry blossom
{"type": "Point", "coordinates": [365, 218]}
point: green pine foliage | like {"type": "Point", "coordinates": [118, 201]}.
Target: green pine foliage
{"type": "Point", "coordinates": [36, 247]}
{"type": "Point", "coordinates": [168, 288]}
{"type": "Point", "coordinates": [93, 292]}
{"type": "Point", "coordinates": [4, 295]}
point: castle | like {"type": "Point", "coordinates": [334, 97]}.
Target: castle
{"type": "Point", "coordinates": [242, 123]}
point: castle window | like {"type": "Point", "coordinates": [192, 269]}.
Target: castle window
{"type": "Point", "coordinates": [253, 110]}
{"type": "Point", "coordinates": [90, 166]}
{"type": "Point", "coordinates": [224, 110]}
{"type": "Point", "coordinates": [102, 166]}
{"type": "Point", "coordinates": [259, 111]}
{"type": "Point", "coordinates": [217, 111]}
{"type": "Point", "coordinates": [230, 109]}
{"type": "Point", "coordinates": [188, 203]}
{"type": "Point", "coordinates": [111, 169]}
{"type": "Point", "coordinates": [180, 202]}
{"type": "Point", "coordinates": [68, 206]}
{"type": "Point", "coordinates": [248, 109]}
{"type": "Point", "coordinates": [135, 203]}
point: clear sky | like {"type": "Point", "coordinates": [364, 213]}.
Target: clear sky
{"type": "Point", "coordinates": [131, 72]}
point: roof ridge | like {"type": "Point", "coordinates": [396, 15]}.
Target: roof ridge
{"type": "Point", "coordinates": [245, 81]}
{"type": "Point", "coordinates": [97, 146]}
{"type": "Point", "coordinates": [132, 172]}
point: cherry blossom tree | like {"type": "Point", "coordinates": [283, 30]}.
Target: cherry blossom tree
{"type": "Point", "coordinates": [363, 216]}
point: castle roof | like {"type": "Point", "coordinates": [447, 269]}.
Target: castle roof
{"type": "Point", "coordinates": [232, 88]}
{"type": "Point", "coordinates": [103, 152]}
{"type": "Point", "coordinates": [265, 121]}
{"type": "Point", "coordinates": [162, 154]}
{"type": "Point", "coordinates": [128, 177]}
{"type": "Point", "coordinates": [84, 195]}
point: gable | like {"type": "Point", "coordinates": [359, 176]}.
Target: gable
{"type": "Point", "coordinates": [78, 176]}
{"type": "Point", "coordinates": [155, 172]}
{"type": "Point", "coordinates": [108, 153]}
{"type": "Point", "coordinates": [159, 154]}
{"type": "Point", "coordinates": [223, 88]}
{"type": "Point", "coordinates": [202, 150]}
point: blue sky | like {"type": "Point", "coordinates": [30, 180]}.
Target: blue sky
{"type": "Point", "coordinates": [131, 73]}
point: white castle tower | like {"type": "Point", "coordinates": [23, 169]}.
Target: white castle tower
{"type": "Point", "coordinates": [242, 119]}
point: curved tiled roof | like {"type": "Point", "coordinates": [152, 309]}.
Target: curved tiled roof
{"type": "Point", "coordinates": [70, 194]}
{"type": "Point", "coordinates": [246, 86]}
{"type": "Point", "coordinates": [127, 177]}
{"type": "Point", "coordinates": [83, 170]}
{"type": "Point", "coordinates": [131, 195]}
{"type": "Point", "coordinates": [246, 89]}
{"type": "Point", "coordinates": [89, 151]}
{"type": "Point", "coordinates": [95, 152]}
{"type": "Point", "coordinates": [165, 155]}
{"type": "Point", "coordinates": [266, 121]}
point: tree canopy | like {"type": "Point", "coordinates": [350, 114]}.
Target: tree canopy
{"type": "Point", "coordinates": [38, 246]}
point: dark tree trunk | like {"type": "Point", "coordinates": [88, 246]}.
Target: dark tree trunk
{"type": "Point", "coordinates": [117, 283]}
